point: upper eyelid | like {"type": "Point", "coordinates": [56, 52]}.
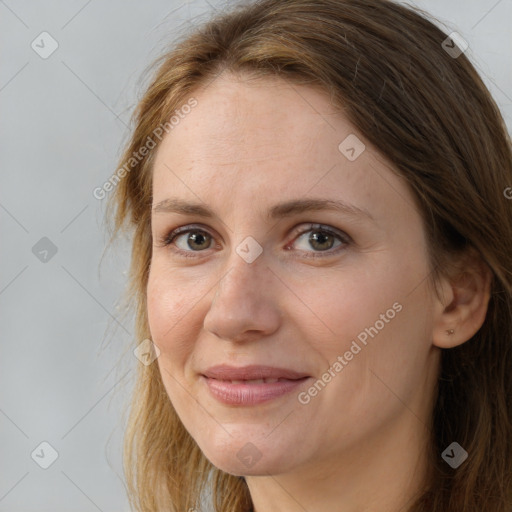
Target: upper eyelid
{"type": "Point", "coordinates": [307, 225]}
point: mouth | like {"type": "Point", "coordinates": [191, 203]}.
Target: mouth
{"type": "Point", "coordinates": [251, 385]}
{"type": "Point", "coordinates": [252, 372]}
{"type": "Point", "coordinates": [256, 381]}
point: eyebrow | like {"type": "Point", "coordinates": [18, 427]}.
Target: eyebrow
{"type": "Point", "coordinates": [286, 209]}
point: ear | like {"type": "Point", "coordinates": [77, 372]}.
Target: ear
{"type": "Point", "coordinates": [464, 304]}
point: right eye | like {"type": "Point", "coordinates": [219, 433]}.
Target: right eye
{"type": "Point", "coordinates": [197, 240]}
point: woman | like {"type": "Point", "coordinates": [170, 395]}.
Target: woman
{"type": "Point", "coordinates": [322, 258]}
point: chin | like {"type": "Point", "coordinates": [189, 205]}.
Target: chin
{"type": "Point", "coordinates": [238, 468]}
{"type": "Point", "coordinates": [244, 456]}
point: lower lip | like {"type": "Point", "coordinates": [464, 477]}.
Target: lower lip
{"type": "Point", "coordinates": [250, 394]}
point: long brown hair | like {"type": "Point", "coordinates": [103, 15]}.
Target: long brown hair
{"type": "Point", "coordinates": [429, 113]}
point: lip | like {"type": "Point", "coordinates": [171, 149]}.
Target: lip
{"type": "Point", "coordinates": [252, 372]}
{"type": "Point", "coordinates": [219, 380]}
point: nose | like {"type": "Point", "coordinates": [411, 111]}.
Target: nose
{"type": "Point", "coordinates": [245, 304]}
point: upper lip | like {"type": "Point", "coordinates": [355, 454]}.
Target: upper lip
{"type": "Point", "coordinates": [252, 372]}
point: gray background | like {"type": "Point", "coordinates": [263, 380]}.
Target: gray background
{"type": "Point", "coordinates": [66, 367]}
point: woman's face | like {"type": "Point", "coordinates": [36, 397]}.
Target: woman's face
{"type": "Point", "coordinates": [260, 283]}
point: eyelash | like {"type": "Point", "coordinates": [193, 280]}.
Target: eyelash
{"type": "Point", "coordinates": [168, 239]}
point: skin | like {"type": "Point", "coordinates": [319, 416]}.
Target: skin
{"type": "Point", "coordinates": [360, 442]}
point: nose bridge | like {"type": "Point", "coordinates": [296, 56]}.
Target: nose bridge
{"type": "Point", "coordinates": [242, 301]}
{"type": "Point", "coordinates": [243, 278]}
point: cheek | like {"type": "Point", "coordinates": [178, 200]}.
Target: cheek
{"type": "Point", "coordinates": [353, 302]}
{"type": "Point", "coordinates": [168, 296]}
{"type": "Point", "coordinates": [167, 308]}
{"type": "Point", "coordinates": [379, 317]}
{"type": "Point", "coordinates": [169, 326]}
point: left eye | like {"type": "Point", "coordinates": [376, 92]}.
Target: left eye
{"type": "Point", "coordinates": [321, 239]}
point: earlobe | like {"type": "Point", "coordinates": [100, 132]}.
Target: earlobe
{"type": "Point", "coordinates": [465, 313]}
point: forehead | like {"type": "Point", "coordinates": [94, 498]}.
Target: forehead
{"type": "Point", "coordinates": [252, 120]}
{"type": "Point", "coordinates": [270, 139]}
